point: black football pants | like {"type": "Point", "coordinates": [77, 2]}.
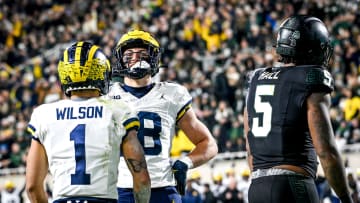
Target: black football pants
{"type": "Point", "coordinates": [283, 189]}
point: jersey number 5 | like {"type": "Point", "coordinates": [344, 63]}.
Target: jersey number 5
{"type": "Point", "coordinates": [263, 108]}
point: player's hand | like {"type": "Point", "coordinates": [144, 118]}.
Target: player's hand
{"type": "Point", "coordinates": [180, 169]}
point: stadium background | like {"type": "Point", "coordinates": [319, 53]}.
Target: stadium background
{"type": "Point", "coordinates": [209, 46]}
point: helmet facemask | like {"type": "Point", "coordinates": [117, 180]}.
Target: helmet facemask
{"type": "Point", "coordinates": [327, 53]}
{"type": "Point", "coordinates": [148, 62]}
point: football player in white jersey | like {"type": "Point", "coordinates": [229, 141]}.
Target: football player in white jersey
{"type": "Point", "coordinates": [79, 139]}
{"type": "Point", "coordinates": [161, 106]}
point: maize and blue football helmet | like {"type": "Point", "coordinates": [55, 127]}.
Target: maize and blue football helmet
{"type": "Point", "coordinates": [84, 66]}
{"type": "Point", "coordinates": [304, 40]}
{"type": "Point", "coordinates": [137, 39]}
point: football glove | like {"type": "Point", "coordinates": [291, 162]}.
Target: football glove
{"type": "Point", "coordinates": [179, 169]}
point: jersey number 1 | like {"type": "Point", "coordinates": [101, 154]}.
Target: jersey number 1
{"type": "Point", "coordinates": [78, 136]}
{"type": "Point", "coordinates": [265, 109]}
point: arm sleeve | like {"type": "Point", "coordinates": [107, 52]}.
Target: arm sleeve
{"type": "Point", "coordinates": [126, 115]}
{"type": "Point", "coordinates": [182, 102]}
{"type": "Point", "coordinates": [34, 126]}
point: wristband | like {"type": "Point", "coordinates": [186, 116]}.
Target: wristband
{"type": "Point", "coordinates": [187, 161]}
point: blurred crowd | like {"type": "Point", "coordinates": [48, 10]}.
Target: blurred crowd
{"type": "Point", "coordinates": [208, 45]}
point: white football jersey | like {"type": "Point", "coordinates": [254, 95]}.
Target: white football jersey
{"type": "Point", "coordinates": [82, 141]}
{"type": "Point", "coordinates": [10, 197]}
{"type": "Point", "coordinates": [158, 112]}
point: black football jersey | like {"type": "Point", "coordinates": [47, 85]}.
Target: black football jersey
{"type": "Point", "coordinates": [276, 104]}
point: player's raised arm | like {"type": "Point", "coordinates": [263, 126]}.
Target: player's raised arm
{"type": "Point", "coordinates": [134, 157]}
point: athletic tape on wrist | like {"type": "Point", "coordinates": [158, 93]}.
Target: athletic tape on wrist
{"type": "Point", "coordinates": [187, 161]}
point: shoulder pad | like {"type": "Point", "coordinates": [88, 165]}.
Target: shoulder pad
{"type": "Point", "coordinates": [319, 77]}
{"type": "Point", "coordinates": [250, 75]}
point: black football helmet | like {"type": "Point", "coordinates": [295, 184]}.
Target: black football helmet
{"type": "Point", "coordinates": [137, 39]}
{"type": "Point", "coordinates": [84, 66]}
{"type": "Point", "coordinates": [304, 40]}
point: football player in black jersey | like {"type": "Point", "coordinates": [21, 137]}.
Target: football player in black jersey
{"type": "Point", "coordinates": [287, 121]}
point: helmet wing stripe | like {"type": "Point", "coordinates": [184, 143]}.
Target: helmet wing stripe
{"type": "Point", "coordinates": [92, 52]}
{"type": "Point", "coordinates": [66, 56]}
{"type": "Point", "coordinates": [78, 53]}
